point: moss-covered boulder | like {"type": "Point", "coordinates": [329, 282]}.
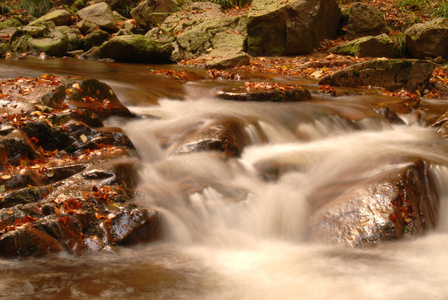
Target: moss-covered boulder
{"type": "Point", "coordinates": [394, 74]}
{"type": "Point", "coordinates": [59, 17]}
{"type": "Point", "coordinates": [291, 26]}
{"type": "Point", "coordinates": [13, 22]}
{"type": "Point", "coordinates": [204, 32]}
{"type": "Point", "coordinates": [428, 39]}
{"type": "Point", "coordinates": [370, 46]}
{"type": "Point", "coordinates": [40, 38]}
{"type": "Point", "coordinates": [136, 48]}
{"type": "Point", "coordinates": [151, 13]}
{"type": "Point", "coordinates": [96, 38]}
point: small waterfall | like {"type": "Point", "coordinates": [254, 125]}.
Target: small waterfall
{"type": "Point", "coordinates": [200, 195]}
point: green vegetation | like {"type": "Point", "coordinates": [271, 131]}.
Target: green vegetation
{"type": "Point", "coordinates": [36, 8]}
{"type": "Point", "coordinates": [433, 9]}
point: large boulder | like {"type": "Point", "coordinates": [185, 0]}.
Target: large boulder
{"type": "Point", "coordinates": [363, 21]}
{"type": "Point", "coordinates": [151, 13]}
{"type": "Point", "coordinates": [40, 38]}
{"type": "Point", "coordinates": [392, 75]}
{"type": "Point", "coordinates": [59, 17]}
{"type": "Point", "coordinates": [136, 48]}
{"type": "Point", "coordinates": [428, 39]}
{"type": "Point", "coordinates": [205, 33]}
{"type": "Point", "coordinates": [389, 206]}
{"type": "Point", "coordinates": [100, 15]}
{"type": "Point", "coordinates": [370, 46]}
{"type": "Point", "coordinates": [290, 27]}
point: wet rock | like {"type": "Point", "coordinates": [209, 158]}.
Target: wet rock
{"type": "Point", "coordinates": [363, 21]}
{"type": "Point", "coordinates": [290, 27]}
{"type": "Point", "coordinates": [23, 196]}
{"type": "Point", "coordinates": [428, 39]}
{"type": "Point", "coordinates": [16, 146]}
{"type": "Point", "coordinates": [131, 227]}
{"type": "Point", "coordinates": [151, 13]}
{"type": "Point", "coordinates": [65, 185]}
{"type": "Point", "coordinates": [393, 75]}
{"type": "Point", "coordinates": [27, 241]}
{"type": "Point", "coordinates": [226, 135]}
{"type": "Point", "coordinates": [99, 15]}
{"type": "Point", "coordinates": [389, 206]}
{"type": "Point", "coordinates": [265, 91]}
{"type": "Point", "coordinates": [370, 46]}
{"type": "Point", "coordinates": [59, 17]}
{"type": "Point", "coordinates": [136, 48]}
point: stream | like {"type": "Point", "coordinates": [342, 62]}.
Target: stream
{"type": "Point", "coordinates": [238, 235]}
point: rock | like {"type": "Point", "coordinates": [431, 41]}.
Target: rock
{"type": "Point", "coordinates": [136, 48]}
{"type": "Point", "coordinates": [151, 13]}
{"type": "Point", "coordinates": [428, 39]}
{"type": "Point", "coordinates": [402, 202]}
{"type": "Point", "coordinates": [16, 146]}
{"type": "Point", "coordinates": [205, 33]}
{"type": "Point", "coordinates": [370, 46]}
{"type": "Point", "coordinates": [121, 6]}
{"type": "Point", "coordinates": [40, 38]}
{"type": "Point", "coordinates": [27, 242]}
{"type": "Point", "coordinates": [131, 227]}
{"type": "Point", "coordinates": [363, 21]}
{"type": "Point", "coordinates": [59, 17]}
{"type": "Point", "coordinates": [99, 14]}
{"type": "Point", "coordinates": [90, 94]}
{"type": "Point", "coordinates": [226, 135]}
{"type": "Point", "coordinates": [265, 91]}
{"type": "Point", "coordinates": [96, 38]}
{"type": "Point", "coordinates": [73, 36]}
{"type": "Point", "coordinates": [13, 22]}
{"type": "Point", "coordinates": [67, 186]}
{"type": "Point", "coordinates": [219, 59]}
{"type": "Point", "coordinates": [392, 75]}
{"type": "Point", "coordinates": [290, 27]}
{"type": "Point", "coordinates": [93, 53]}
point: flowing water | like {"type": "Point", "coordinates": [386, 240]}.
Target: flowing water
{"type": "Point", "coordinates": [235, 235]}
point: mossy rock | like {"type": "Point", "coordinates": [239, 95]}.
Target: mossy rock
{"type": "Point", "coordinates": [136, 48]}
{"type": "Point", "coordinates": [13, 22]}
{"type": "Point", "coordinates": [371, 46]}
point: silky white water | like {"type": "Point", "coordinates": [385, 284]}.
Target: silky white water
{"type": "Point", "coordinates": [230, 233]}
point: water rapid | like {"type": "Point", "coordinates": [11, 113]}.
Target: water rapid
{"type": "Point", "coordinates": [237, 228]}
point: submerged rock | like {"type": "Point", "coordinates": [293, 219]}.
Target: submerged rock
{"type": "Point", "coordinates": [389, 206]}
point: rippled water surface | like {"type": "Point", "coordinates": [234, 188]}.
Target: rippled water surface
{"type": "Point", "coordinates": [239, 236]}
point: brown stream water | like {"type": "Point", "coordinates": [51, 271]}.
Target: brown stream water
{"type": "Point", "coordinates": [254, 247]}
